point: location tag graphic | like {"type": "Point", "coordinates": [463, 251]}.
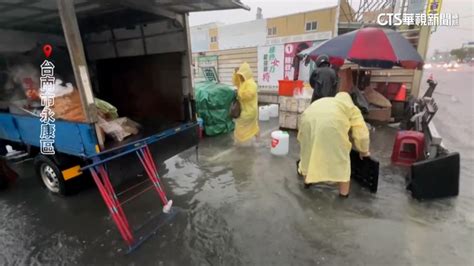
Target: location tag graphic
{"type": "Point", "coordinates": [47, 50]}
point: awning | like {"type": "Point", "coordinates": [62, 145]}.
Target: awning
{"type": "Point", "coordinates": [42, 15]}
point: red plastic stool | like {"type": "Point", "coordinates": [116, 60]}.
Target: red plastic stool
{"type": "Point", "coordinates": [408, 148]}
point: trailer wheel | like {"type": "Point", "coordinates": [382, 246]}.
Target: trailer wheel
{"type": "Point", "coordinates": [50, 175]}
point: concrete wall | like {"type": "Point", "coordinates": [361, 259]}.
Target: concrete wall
{"type": "Point", "coordinates": [200, 39]}
{"type": "Point", "coordinates": [290, 28]}
{"type": "Point", "coordinates": [280, 25]}
{"type": "Point", "coordinates": [314, 36]}
{"type": "Point", "coordinates": [241, 35]}
{"type": "Point", "coordinates": [296, 24]}
{"type": "Point", "coordinates": [214, 33]}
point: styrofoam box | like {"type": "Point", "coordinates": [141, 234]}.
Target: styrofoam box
{"type": "Point", "coordinates": [289, 104]}
{"type": "Point", "coordinates": [303, 104]}
{"type": "Point", "coordinates": [288, 120]}
{"type": "Point", "coordinates": [282, 102]}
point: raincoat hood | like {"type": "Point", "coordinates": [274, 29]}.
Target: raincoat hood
{"type": "Point", "coordinates": [245, 71]}
{"type": "Point", "coordinates": [322, 59]}
{"type": "Point", "coordinates": [344, 97]}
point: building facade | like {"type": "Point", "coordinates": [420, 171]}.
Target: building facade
{"type": "Point", "coordinates": [268, 45]}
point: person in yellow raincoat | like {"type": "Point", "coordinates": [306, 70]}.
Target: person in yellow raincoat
{"type": "Point", "coordinates": [246, 126]}
{"type": "Point", "coordinates": [327, 127]}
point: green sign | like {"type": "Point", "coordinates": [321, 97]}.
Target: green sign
{"type": "Point", "coordinates": [207, 61]}
{"type": "Point", "coordinates": [207, 67]}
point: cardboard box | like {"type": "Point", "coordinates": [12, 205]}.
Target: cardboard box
{"type": "Point", "coordinates": [379, 114]}
{"type": "Point", "coordinates": [376, 98]}
{"type": "Point", "coordinates": [345, 80]}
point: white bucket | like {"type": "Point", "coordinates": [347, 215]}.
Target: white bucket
{"type": "Point", "coordinates": [273, 110]}
{"type": "Point", "coordinates": [280, 142]}
{"type": "Point", "coordinates": [263, 113]}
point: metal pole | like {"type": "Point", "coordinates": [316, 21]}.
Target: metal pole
{"type": "Point", "coordinates": [336, 23]}
{"type": "Point", "coordinates": [403, 8]}
{"type": "Point", "coordinates": [187, 79]}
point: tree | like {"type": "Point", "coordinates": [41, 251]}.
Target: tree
{"type": "Point", "coordinates": [462, 53]}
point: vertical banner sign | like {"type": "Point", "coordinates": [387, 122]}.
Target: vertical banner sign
{"type": "Point", "coordinates": [433, 7]}
{"type": "Point", "coordinates": [47, 84]}
{"type": "Point", "coordinates": [291, 50]}
{"type": "Point", "coordinates": [270, 66]}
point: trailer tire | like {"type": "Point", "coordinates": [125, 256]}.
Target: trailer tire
{"type": "Point", "coordinates": [49, 175]}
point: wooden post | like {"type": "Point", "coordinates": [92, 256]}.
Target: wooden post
{"type": "Point", "coordinates": [72, 34]}
{"type": "Point", "coordinates": [76, 53]}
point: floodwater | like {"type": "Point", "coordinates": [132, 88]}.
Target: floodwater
{"type": "Point", "coordinates": [243, 206]}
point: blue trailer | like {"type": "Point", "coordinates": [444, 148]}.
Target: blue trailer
{"type": "Point", "coordinates": [76, 146]}
{"type": "Point", "coordinates": [72, 138]}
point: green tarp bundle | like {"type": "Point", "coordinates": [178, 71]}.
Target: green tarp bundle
{"type": "Point", "coordinates": [213, 102]}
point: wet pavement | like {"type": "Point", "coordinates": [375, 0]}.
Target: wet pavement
{"type": "Point", "coordinates": [243, 206]}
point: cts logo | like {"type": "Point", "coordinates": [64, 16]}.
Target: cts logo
{"type": "Point", "coordinates": [390, 19]}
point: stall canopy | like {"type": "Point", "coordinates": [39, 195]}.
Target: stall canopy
{"type": "Point", "coordinates": [95, 15]}
{"type": "Point", "coordinates": [369, 47]}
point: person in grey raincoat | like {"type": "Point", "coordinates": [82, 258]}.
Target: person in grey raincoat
{"type": "Point", "coordinates": [324, 79]}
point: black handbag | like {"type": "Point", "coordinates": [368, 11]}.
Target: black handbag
{"type": "Point", "coordinates": [235, 109]}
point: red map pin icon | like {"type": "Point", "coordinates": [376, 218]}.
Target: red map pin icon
{"type": "Point", "coordinates": [47, 50]}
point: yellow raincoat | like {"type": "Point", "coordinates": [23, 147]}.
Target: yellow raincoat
{"type": "Point", "coordinates": [324, 138]}
{"type": "Point", "coordinates": [246, 126]}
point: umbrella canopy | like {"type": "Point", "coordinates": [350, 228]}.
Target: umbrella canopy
{"type": "Point", "coordinates": [369, 47]}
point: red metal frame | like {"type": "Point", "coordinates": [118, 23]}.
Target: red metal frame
{"type": "Point", "coordinates": [102, 180]}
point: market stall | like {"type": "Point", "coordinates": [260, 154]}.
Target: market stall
{"type": "Point", "coordinates": [360, 57]}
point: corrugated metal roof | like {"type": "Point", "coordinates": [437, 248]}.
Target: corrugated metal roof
{"type": "Point", "coordinates": [93, 15]}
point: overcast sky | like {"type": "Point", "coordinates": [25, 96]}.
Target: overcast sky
{"type": "Point", "coordinates": [443, 39]}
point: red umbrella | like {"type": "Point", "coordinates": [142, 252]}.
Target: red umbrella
{"type": "Point", "coordinates": [370, 47]}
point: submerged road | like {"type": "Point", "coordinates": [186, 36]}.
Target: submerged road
{"type": "Point", "coordinates": [243, 206]}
